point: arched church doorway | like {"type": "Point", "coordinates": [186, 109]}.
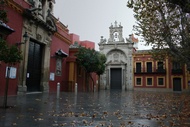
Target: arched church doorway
{"type": "Point", "coordinates": [116, 78]}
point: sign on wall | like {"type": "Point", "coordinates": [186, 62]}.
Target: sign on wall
{"type": "Point", "coordinates": [52, 76]}
{"type": "Point", "coordinates": [12, 74]}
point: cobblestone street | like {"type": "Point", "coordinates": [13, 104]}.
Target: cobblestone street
{"type": "Point", "coordinates": [99, 109]}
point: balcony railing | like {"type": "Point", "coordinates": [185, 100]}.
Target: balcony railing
{"type": "Point", "coordinates": [149, 70]}
{"type": "Point", "coordinates": [177, 71]}
{"type": "Point", "coordinates": [161, 70]}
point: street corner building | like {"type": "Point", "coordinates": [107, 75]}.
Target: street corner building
{"type": "Point", "coordinates": [45, 37]}
{"type": "Point", "coordinates": [46, 45]}
{"type": "Point", "coordinates": [166, 75]}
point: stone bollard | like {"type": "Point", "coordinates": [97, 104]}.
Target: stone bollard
{"type": "Point", "coordinates": [58, 89]}
{"type": "Point", "coordinates": [76, 88]}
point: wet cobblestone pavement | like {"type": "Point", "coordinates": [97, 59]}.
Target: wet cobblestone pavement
{"type": "Point", "coordinates": [99, 109]}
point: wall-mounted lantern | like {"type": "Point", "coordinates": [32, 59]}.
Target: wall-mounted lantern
{"type": "Point", "coordinates": [25, 37]}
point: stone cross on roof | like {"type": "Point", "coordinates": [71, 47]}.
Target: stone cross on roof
{"type": "Point", "coordinates": [115, 23]}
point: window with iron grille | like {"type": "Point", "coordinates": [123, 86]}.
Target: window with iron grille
{"type": "Point", "coordinates": [176, 65]}
{"type": "Point", "coordinates": [138, 81]}
{"type": "Point", "coordinates": [160, 81]}
{"type": "Point", "coordinates": [138, 67]}
{"type": "Point", "coordinates": [149, 81]}
{"type": "Point", "coordinates": [160, 65]}
{"type": "Point", "coordinates": [149, 66]}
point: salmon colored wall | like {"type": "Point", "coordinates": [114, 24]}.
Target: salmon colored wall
{"type": "Point", "coordinates": [74, 38]}
{"type": "Point", "coordinates": [88, 44]}
{"type": "Point", "coordinates": [12, 89]}
{"type": "Point", "coordinates": [55, 46]}
{"type": "Point", "coordinates": [15, 22]}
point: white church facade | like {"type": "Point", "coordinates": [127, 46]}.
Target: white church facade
{"type": "Point", "coordinates": [119, 65]}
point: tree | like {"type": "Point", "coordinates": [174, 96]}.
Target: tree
{"type": "Point", "coordinates": [91, 61]}
{"type": "Point", "coordinates": [101, 67]}
{"type": "Point", "coordinates": [10, 55]}
{"type": "Point", "coordinates": [165, 25]}
{"type": "Point", "coordinates": [184, 4]}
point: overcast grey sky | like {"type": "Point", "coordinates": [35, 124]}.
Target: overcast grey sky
{"type": "Point", "coordinates": [91, 19]}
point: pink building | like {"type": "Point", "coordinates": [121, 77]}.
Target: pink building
{"type": "Point", "coordinates": [44, 51]}
{"type": "Point", "coordinates": [76, 74]}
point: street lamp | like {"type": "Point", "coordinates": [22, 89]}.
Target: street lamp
{"type": "Point", "coordinates": [25, 36]}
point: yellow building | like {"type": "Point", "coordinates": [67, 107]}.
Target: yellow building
{"type": "Point", "coordinates": [153, 75]}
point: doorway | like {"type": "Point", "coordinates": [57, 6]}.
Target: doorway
{"type": "Point", "coordinates": [116, 78]}
{"type": "Point", "coordinates": [33, 76]}
{"type": "Point", "coordinates": [176, 84]}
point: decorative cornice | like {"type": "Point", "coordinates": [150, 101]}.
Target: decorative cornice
{"type": "Point", "coordinates": [15, 6]}
{"type": "Point", "coordinates": [61, 27]}
{"type": "Point", "coordinates": [66, 40]}
{"type": "Point", "coordinates": [28, 14]}
{"type": "Point", "coordinates": [59, 24]}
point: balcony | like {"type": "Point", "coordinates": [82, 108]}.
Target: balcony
{"type": "Point", "coordinates": [161, 70]}
{"type": "Point", "coordinates": [149, 71]}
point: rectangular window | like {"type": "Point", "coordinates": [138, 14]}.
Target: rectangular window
{"type": "Point", "coordinates": [149, 81]}
{"type": "Point", "coordinates": [149, 66]}
{"type": "Point", "coordinates": [176, 65]}
{"type": "Point", "coordinates": [138, 67]}
{"type": "Point", "coordinates": [160, 65]}
{"type": "Point", "coordinates": [161, 81]}
{"type": "Point", "coordinates": [138, 81]}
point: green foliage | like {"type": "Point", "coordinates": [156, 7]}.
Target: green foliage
{"type": "Point", "coordinates": [164, 25]}
{"type": "Point", "coordinates": [9, 54]}
{"type": "Point", "coordinates": [91, 60]}
{"type": "Point", "coordinates": [101, 66]}
{"type": "Point", "coordinates": [3, 12]}
{"type": "Point", "coordinates": [3, 47]}
{"type": "Point", "coordinates": [85, 58]}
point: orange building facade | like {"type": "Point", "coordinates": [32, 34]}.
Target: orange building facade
{"type": "Point", "coordinates": [154, 75]}
{"type": "Point", "coordinates": [76, 74]}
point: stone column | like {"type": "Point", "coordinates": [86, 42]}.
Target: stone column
{"type": "Point", "coordinates": [45, 69]}
{"type": "Point", "coordinates": [22, 88]}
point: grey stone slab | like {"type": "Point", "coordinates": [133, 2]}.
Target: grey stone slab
{"type": "Point", "coordinates": [104, 108]}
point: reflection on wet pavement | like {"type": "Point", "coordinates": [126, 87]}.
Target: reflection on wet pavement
{"type": "Point", "coordinates": [99, 109]}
